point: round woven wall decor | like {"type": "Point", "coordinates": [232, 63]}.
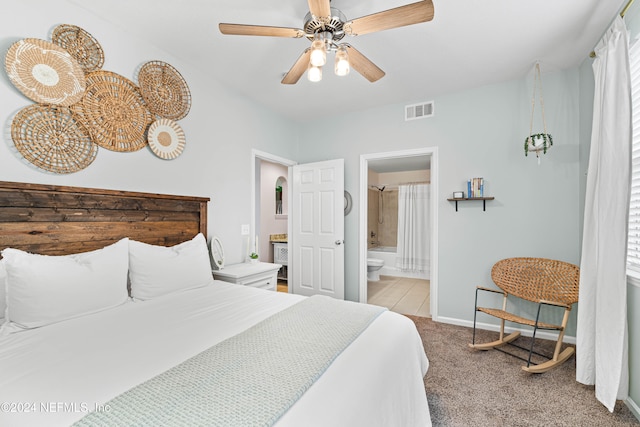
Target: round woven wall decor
{"type": "Point", "coordinates": [164, 90]}
{"type": "Point", "coordinates": [49, 137]}
{"type": "Point", "coordinates": [166, 139]}
{"type": "Point", "coordinates": [114, 112]}
{"type": "Point", "coordinates": [81, 45]}
{"type": "Point", "coordinates": [44, 72]}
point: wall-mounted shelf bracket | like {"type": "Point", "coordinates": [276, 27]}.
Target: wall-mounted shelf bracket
{"type": "Point", "coordinates": [466, 199]}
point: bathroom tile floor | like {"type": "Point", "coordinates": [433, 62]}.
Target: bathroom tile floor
{"type": "Point", "coordinates": [400, 294]}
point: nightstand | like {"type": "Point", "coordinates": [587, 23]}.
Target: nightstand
{"type": "Point", "coordinates": [263, 275]}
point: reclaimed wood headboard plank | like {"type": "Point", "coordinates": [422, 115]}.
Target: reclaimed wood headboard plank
{"type": "Point", "coordinates": [58, 220]}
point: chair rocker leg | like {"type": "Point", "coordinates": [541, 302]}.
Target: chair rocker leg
{"type": "Point", "coordinates": [544, 367]}
{"type": "Point", "coordinates": [496, 343]}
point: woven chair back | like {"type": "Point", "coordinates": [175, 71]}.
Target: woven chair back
{"type": "Point", "coordinates": [536, 279]}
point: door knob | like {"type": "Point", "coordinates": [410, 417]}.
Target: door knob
{"type": "Point", "coordinates": [339, 242]}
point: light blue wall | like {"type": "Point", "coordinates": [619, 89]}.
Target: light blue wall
{"type": "Point", "coordinates": [478, 132]}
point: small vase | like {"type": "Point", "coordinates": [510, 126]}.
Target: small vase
{"type": "Point", "coordinates": [253, 260]}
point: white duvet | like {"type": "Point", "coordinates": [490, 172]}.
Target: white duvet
{"type": "Point", "coordinates": [56, 374]}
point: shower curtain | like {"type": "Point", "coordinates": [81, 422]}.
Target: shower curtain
{"type": "Point", "coordinates": [413, 228]}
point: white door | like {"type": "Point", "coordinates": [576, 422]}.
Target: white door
{"type": "Point", "coordinates": [317, 227]}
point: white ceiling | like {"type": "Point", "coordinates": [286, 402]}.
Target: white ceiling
{"type": "Point", "coordinates": [469, 43]}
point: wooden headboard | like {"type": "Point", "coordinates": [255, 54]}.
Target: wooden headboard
{"type": "Point", "coordinates": [59, 220]}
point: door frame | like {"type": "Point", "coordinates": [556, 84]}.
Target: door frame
{"type": "Point", "coordinates": [255, 196]}
{"type": "Point", "coordinates": [433, 226]}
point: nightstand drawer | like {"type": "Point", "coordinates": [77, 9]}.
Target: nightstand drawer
{"type": "Point", "coordinates": [261, 275]}
{"type": "Point", "coordinates": [258, 282]}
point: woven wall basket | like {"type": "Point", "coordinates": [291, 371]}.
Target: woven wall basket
{"type": "Point", "coordinates": [114, 112]}
{"type": "Point", "coordinates": [81, 45]}
{"type": "Point", "coordinates": [164, 90]}
{"type": "Point", "coordinates": [45, 72]}
{"type": "Point", "coordinates": [166, 139]}
{"type": "Point", "coordinates": [49, 137]}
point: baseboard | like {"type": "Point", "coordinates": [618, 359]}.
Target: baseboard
{"type": "Point", "coordinates": [489, 327]}
{"type": "Point", "coordinates": [633, 407]}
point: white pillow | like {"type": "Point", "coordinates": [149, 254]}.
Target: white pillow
{"type": "Point", "coordinates": [3, 291]}
{"type": "Point", "coordinates": [44, 289]}
{"type": "Point", "coordinates": [159, 270]}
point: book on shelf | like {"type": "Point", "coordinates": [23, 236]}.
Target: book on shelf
{"type": "Point", "coordinates": [475, 188]}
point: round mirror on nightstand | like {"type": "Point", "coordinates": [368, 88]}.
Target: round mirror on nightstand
{"type": "Point", "coordinates": [217, 252]}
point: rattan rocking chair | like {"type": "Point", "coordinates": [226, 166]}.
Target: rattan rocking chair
{"type": "Point", "coordinates": [545, 282]}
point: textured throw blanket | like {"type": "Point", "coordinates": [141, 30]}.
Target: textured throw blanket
{"type": "Point", "coordinates": [251, 379]}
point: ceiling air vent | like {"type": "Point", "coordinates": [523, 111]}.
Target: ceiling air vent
{"type": "Point", "coordinates": [418, 111]}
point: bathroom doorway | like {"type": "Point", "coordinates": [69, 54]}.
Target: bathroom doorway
{"type": "Point", "coordinates": [394, 278]}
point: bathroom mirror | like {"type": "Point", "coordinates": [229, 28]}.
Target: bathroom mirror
{"type": "Point", "coordinates": [217, 253]}
{"type": "Point", "coordinates": [281, 196]}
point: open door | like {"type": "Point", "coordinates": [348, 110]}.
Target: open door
{"type": "Point", "coordinates": [317, 227]}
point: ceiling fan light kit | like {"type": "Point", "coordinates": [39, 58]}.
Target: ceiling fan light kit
{"type": "Point", "coordinates": [318, 51]}
{"type": "Point", "coordinates": [342, 66]}
{"type": "Point", "coordinates": [314, 74]}
{"type": "Point", "coordinates": [325, 26]}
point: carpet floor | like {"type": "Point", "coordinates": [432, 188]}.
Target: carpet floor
{"type": "Point", "coordinates": [466, 387]}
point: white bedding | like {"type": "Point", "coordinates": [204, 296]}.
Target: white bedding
{"type": "Point", "coordinates": [55, 374]}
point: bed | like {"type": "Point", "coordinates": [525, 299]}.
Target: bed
{"type": "Point", "coordinates": [122, 357]}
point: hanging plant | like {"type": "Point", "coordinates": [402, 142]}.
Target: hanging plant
{"type": "Point", "coordinates": [537, 142]}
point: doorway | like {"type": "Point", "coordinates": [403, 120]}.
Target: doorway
{"type": "Point", "coordinates": [394, 166]}
{"type": "Point", "coordinates": [270, 225]}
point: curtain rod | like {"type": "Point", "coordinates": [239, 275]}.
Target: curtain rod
{"type": "Point", "coordinates": [395, 186]}
{"type": "Point", "coordinates": [622, 13]}
{"type": "Point", "coordinates": [626, 8]}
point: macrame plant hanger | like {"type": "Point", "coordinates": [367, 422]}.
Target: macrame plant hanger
{"type": "Point", "coordinates": [540, 141]}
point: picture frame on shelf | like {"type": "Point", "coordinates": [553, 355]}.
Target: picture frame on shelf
{"type": "Point", "coordinates": [458, 195]}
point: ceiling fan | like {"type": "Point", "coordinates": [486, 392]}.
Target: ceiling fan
{"type": "Point", "coordinates": [326, 26]}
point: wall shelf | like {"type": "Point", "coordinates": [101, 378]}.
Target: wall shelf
{"type": "Point", "coordinates": [467, 199]}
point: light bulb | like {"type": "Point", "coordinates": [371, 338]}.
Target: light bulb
{"type": "Point", "coordinates": [318, 51]}
{"type": "Point", "coordinates": [342, 66]}
{"type": "Point", "coordinates": [314, 74]}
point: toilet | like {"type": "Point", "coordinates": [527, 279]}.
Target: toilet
{"type": "Point", "coordinates": [373, 269]}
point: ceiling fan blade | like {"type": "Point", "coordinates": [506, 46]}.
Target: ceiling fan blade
{"type": "Point", "coordinates": [409, 14]}
{"type": "Point", "coordinates": [259, 30]}
{"type": "Point", "coordinates": [298, 68]}
{"type": "Point", "coordinates": [320, 8]}
{"type": "Point", "coordinates": [364, 66]}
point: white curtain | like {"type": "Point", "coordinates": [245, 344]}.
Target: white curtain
{"type": "Point", "coordinates": [413, 228]}
{"type": "Point", "coordinates": [602, 355]}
